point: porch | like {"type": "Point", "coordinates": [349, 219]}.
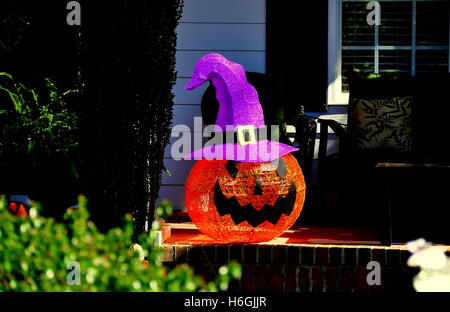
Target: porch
{"type": "Point", "coordinates": [303, 259]}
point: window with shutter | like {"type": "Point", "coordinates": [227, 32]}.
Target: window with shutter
{"type": "Point", "coordinates": [413, 38]}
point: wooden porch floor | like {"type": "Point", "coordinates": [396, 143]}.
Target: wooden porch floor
{"type": "Point", "coordinates": [186, 233]}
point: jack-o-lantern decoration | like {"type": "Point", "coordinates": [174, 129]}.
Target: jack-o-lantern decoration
{"type": "Point", "coordinates": [245, 201]}
{"type": "Point", "coordinates": [251, 190]}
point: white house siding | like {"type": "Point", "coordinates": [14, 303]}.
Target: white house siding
{"type": "Point", "coordinates": [234, 28]}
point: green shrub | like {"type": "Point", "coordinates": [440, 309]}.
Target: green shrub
{"type": "Point", "coordinates": [39, 130]}
{"type": "Point", "coordinates": [38, 254]}
{"type": "Point", "coordinates": [39, 124]}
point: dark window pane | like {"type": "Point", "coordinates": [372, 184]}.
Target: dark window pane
{"type": "Point", "coordinates": [355, 30]}
{"type": "Point", "coordinates": [396, 24]}
{"type": "Point", "coordinates": [395, 61]}
{"type": "Point", "coordinates": [429, 61]}
{"type": "Point", "coordinates": [432, 23]}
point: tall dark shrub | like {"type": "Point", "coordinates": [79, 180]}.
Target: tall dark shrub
{"type": "Point", "coordinates": [129, 70]}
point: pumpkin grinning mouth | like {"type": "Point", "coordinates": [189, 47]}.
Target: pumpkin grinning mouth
{"type": "Point", "coordinates": [239, 214]}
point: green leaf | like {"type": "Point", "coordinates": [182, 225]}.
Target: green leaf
{"type": "Point", "coordinates": [15, 99]}
{"type": "Point", "coordinates": [167, 171]}
{"type": "Point", "coordinates": [30, 146]}
{"type": "Point", "coordinates": [6, 74]}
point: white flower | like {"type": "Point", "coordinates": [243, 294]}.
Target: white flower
{"type": "Point", "coordinates": [432, 281]}
{"type": "Point", "coordinates": [138, 248]}
{"type": "Point", "coordinates": [435, 266]}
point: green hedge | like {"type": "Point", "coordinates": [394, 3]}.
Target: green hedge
{"type": "Point", "coordinates": [39, 254]}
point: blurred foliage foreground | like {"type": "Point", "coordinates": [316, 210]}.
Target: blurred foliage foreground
{"type": "Point", "coordinates": [39, 254]}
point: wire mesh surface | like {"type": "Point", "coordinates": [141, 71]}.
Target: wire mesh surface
{"type": "Point", "coordinates": [245, 202]}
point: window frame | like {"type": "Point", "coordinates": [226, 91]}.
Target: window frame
{"type": "Point", "coordinates": [335, 95]}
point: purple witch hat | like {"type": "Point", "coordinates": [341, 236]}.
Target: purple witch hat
{"type": "Point", "coordinates": [240, 132]}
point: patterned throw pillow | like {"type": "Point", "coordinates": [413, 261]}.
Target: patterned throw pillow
{"type": "Point", "coordinates": [381, 124]}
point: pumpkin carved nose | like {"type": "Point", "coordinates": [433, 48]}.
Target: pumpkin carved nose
{"type": "Point", "coordinates": [258, 188]}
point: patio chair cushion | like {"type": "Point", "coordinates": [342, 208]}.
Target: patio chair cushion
{"type": "Point", "coordinates": [381, 125]}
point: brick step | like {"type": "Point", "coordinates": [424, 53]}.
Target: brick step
{"type": "Point", "coordinates": [394, 256]}
{"type": "Point", "coordinates": [278, 266]}
{"type": "Point", "coordinates": [299, 268]}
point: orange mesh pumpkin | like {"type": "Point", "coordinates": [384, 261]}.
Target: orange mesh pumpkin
{"type": "Point", "coordinates": [234, 201]}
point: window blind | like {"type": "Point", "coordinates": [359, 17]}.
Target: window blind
{"type": "Point", "coordinates": [413, 37]}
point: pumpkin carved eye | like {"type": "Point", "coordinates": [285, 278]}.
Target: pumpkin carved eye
{"type": "Point", "coordinates": [231, 168]}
